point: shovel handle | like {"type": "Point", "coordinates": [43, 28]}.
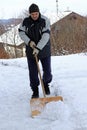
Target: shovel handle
{"type": "Point", "coordinates": [42, 84]}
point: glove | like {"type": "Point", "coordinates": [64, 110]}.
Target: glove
{"type": "Point", "coordinates": [35, 51]}
{"type": "Point", "coordinates": [32, 44]}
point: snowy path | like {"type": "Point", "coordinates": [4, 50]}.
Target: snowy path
{"type": "Point", "coordinates": [70, 80]}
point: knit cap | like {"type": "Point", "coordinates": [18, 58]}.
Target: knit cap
{"type": "Point", "coordinates": [33, 8]}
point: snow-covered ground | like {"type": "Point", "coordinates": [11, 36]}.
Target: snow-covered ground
{"type": "Point", "coordinates": [69, 81]}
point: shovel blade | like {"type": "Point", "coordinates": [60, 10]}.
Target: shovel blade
{"type": "Point", "coordinates": [37, 104]}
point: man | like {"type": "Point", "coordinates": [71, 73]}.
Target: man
{"type": "Point", "coordinates": [35, 32]}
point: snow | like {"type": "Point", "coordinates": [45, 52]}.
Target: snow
{"type": "Point", "coordinates": [69, 81]}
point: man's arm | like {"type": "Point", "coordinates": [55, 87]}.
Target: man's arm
{"type": "Point", "coordinates": [22, 34]}
{"type": "Point", "coordinates": [45, 35]}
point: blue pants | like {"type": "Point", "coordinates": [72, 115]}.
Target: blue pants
{"type": "Point", "coordinates": [33, 71]}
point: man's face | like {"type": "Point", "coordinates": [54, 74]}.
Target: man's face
{"type": "Point", "coordinates": [34, 15]}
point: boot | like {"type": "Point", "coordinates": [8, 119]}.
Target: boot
{"type": "Point", "coordinates": [47, 90]}
{"type": "Point", "coordinates": [35, 93]}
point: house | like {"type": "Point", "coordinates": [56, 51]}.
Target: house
{"type": "Point", "coordinates": [69, 35]}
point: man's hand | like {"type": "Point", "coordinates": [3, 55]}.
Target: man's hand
{"type": "Point", "coordinates": [32, 44]}
{"type": "Point", "coordinates": [35, 51]}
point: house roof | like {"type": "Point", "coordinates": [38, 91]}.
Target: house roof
{"type": "Point", "coordinates": [70, 16]}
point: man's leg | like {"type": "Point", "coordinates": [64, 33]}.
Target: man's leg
{"type": "Point", "coordinates": [33, 75]}
{"type": "Point", "coordinates": [47, 76]}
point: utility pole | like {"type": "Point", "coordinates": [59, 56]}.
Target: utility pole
{"type": "Point", "coordinates": [57, 7]}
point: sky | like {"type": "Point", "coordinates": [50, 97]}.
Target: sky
{"type": "Point", "coordinates": [69, 81]}
{"type": "Point", "coordinates": [13, 8]}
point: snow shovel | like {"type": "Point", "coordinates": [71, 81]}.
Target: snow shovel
{"type": "Point", "coordinates": [37, 104]}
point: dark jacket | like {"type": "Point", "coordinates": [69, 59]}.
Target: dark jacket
{"type": "Point", "coordinates": [37, 31]}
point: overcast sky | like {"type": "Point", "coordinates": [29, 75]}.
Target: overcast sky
{"type": "Point", "coordinates": [12, 8]}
